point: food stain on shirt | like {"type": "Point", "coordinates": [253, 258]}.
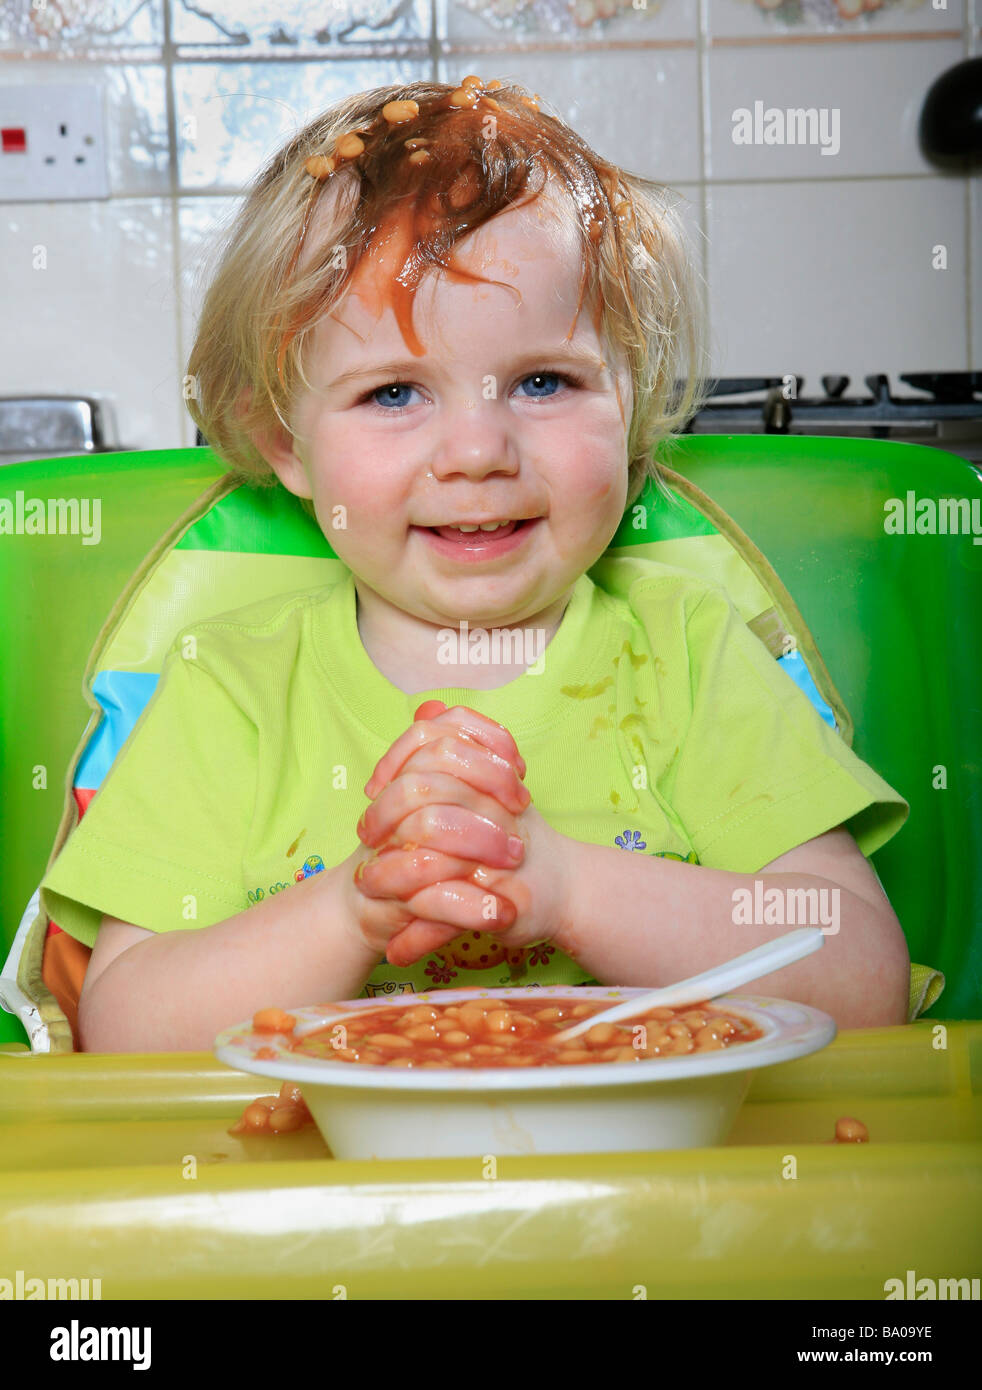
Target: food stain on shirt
{"type": "Point", "coordinates": [293, 848]}
{"type": "Point", "coordinates": [636, 658]}
{"type": "Point", "coordinates": [587, 692]}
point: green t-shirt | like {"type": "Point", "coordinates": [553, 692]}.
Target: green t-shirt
{"type": "Point", "coordinates": [656, 724]}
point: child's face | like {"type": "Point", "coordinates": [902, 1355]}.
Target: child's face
{"type": "Point", "coordinates": [482, 427]}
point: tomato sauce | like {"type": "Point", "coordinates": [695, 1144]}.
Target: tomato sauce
{"type": "Point", "coordinates": [519, 1033]}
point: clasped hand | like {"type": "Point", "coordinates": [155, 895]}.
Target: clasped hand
{"type": "Point", "coordinates": [452, 842]}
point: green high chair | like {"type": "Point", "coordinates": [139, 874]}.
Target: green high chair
{"type": "Point", "coordinates": [894, 608]}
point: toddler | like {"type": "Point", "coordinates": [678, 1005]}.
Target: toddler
{"type": "Point", "coordinates": [457, 334]}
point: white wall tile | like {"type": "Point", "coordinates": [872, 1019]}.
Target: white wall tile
{"type": "Point", "coordinates": [848, 18]}
{"type": "Point", "coordinates": [61, 30]}
{"type": "Point", "coordinates": [262, 26]}
{"type": "Point", "coordinates": [99, 320]}
{"type": "Point", "coordinates": [878, 89]}
{"type": "Point", "coordinates": [638, 109]}
{"type": "Point", "coordinates": [508, 23]}
{"type": "Point", "coordinates": [819, 278]}
{"type": "Point", "coordinates": [232, 116]}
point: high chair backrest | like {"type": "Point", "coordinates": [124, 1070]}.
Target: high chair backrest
{"type": "Point", "coordinates": [234, 544]}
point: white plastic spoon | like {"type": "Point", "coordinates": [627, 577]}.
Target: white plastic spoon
{"type": "Point", "coordinates": [794, 945]}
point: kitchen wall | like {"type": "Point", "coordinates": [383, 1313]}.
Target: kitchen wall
{"type": "Point", "coordinates": [815, 263]}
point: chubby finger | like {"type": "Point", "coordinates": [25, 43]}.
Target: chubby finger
{"type": "Point", "coordinates": [455, 830]}
{"type": "Point", "coordinates": [400, 871]}
{"type": "Point", "coordinates": [398, 881]}
{"type": "Point", "coordinates": [471, 763]}
{"type": "Point", "coordinates": [417, 940]}
{"type": "Point", "coordinates": [468, 724]}
{"type": "Point", "coordinates": [428, 789]}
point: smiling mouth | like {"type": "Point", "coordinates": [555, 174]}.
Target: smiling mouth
{"type": "Point", "coordinates": [479, 534]}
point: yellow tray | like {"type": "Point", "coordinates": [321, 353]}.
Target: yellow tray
{"type": "Point", "coordinates": [119, 1168]}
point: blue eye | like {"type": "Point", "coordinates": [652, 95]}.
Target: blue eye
{"type": "Point", "coordinates": [541, 377]}
{"type": "Point", "coordinates": [389, 395]}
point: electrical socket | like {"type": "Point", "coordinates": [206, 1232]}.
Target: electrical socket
{"type": "Point", "coordinates": [52, 142]}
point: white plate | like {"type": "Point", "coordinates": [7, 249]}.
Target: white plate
{"type": "Point", "coordinates": [656, 1103]}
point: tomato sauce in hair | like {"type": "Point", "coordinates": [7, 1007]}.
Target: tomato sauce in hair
{"type": "Point", "coordinates": [430, 180]}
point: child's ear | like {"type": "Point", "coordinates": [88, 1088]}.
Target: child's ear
{"type": "Point", "coordinates": [279, 448]}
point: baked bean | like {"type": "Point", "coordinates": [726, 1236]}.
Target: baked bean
{"type": "Point", "coordinates": [395, 112]}
{"type": "Point", "coordinates": [421, 1013]}
{"type": "Point", "coordinates": [349, 146]}
{"type": "Point", "coordinates": [850, 1131]}
{"type": "Point", "coordinates": [472, 1015]}
{"type": "Point", "coordinates": [389, 1040]}
{"type": "Point", "coordinates": [273, 1021]}
{"type": "Point", "coordinates": [491, 1032]}
{"type": "Point", "coordinates": [319, 166]}
{"type": "Point", "coordinates": [463, 96]}
{"type": "Point", "coordinates": [284, 1119]}
{"type": "Point", "coordinates": [471, 81]}
{"type": "Point", "coordinates": [423, 1033]}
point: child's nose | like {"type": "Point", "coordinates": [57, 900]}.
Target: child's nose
{"type": "Point", "coordinates": [474, 440]}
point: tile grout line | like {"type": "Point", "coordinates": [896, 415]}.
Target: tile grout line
{"type": "Point", "coordinates": [705, 170]}
{"type": "Point", "coordinates": [173, 199]}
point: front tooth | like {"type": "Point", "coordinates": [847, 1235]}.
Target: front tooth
{"type": "Point", "coordinates": [493, 525]}
{"type": "Point", "coordinates": [464, 528]}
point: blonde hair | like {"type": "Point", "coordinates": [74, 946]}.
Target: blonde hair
{"type": "Point", "coordinates": [279, 269]}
